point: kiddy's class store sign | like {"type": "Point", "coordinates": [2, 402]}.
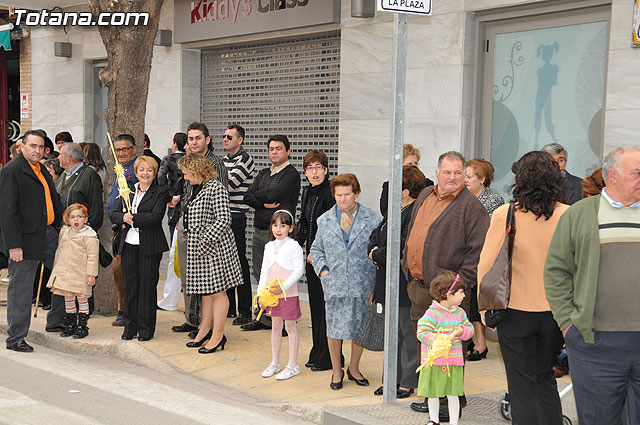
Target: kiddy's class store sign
{"type": "Point", "coordinates": [197, 20]}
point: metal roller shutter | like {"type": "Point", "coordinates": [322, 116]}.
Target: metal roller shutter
{"type": "Point", "coordinates": [289, 87]}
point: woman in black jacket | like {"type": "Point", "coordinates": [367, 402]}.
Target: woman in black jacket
{"type": "Point", "coordinates": [142, 243]}
{"type": "Point", "coordinates": [316, 200]}
{"type": "Point", "coordinates": [413, 181]}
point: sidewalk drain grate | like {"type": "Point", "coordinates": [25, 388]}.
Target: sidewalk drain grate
{"type": "Point", "coordinates": [482, 406]}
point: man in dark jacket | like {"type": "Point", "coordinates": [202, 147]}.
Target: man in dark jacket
{"type": "Point", "coordinates": [147, 149]}
{"type": "Point", "coordinates": [274, 188]}
{"type": "Point", "coordinates": [169, 175]}
{"type": "Point", "coordinates": [29, 212]}
{"type": "Point", "coordinates": [572, 184]}
{"type": "Point", "coordinates": [78, 184]}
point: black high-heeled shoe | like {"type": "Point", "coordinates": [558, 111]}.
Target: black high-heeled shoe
{"type": "Point", "coordinates": [362, 382]}
{"type": "Point", "coordinates": [337, 385]}
{"type": "Point", "coordinates": [221, 344]}
{"type": "Point", "coordinates": [194, 344]}
{"type": "Point", "coordinates": [477, 355]}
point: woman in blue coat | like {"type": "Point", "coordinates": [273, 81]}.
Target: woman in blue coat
{"type": "Point", "coordinates": [340, 257]}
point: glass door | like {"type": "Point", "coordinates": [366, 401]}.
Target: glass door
{"type": "Point", "coordinates": [544, 83]}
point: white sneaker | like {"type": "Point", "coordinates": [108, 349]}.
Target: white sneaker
{"type": "Point", "coordinates": [271, 370]}
{"type": "Point", "coordinates": [288, 373]}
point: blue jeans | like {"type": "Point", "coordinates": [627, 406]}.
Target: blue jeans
{"type": "Point", "coordinates": [604, 374]}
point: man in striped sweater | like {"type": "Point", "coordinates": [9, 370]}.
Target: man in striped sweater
{"type": "Point", "coordinates": [240, 168]}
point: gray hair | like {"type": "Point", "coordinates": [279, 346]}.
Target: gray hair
{"type": "Point", "coordinates": [451, 155]}
{"type": "Point", "coordinates": [74, 150]}
{"type": "Point", "coordinates": [555, 149]}
{"type": "Point", "coordinates": [612, 160]}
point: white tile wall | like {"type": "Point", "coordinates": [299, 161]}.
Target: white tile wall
{"type": "Point", "coordinates": [58, 84]}
{"type": "Point", "coordinates": [437, 99]}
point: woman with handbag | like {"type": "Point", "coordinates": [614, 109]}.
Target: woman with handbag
{"type": "Point", "coordinates": [477, 178]}
{"type": "Point", "coordinates": [339, 258]}
{"type": "Point", "coordinates": [413, 181]}
{"type": "Point", "coordinates": [141, 243]}
{"type": "Point", "coordinates": [529, 337]}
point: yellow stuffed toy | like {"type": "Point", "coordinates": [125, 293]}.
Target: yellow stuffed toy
{"type": "Point", "coordinates": [268, 298]}
{"type": "Point", "coordinates": [439, 349]}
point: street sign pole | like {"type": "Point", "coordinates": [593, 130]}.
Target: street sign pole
{"type": "Point", "coordinates": [398, 81]}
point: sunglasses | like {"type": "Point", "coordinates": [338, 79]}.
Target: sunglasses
{"type": "Point", "coordinates": [227, 136]}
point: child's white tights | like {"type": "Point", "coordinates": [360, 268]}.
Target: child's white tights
{"type": "Point", "coordinates": [454, 409]}
{"type": "Point", "coordinates": [276, 340]}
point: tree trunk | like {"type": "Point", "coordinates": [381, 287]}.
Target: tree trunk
{"type": "Point", "coordinates": [129, 52]}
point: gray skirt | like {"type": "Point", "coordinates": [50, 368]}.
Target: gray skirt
{"type": "Point", "coordinates": [344, 316]}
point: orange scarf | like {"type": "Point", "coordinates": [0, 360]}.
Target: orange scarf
{"type": "Point", "coordinates": [47, 193]}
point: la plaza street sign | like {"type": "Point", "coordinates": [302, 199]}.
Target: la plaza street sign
{"type": "Point", "coordinates": [415, 7]}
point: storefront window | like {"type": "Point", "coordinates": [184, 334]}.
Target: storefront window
{"type": "Point", "coordinates": [548, 86]}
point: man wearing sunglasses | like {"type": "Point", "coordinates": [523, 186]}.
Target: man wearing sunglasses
{"type": "Point", "coordinates": [240, 167]}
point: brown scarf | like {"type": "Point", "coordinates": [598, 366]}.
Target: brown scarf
{"type": "Point", "coordinates": [346, 219]}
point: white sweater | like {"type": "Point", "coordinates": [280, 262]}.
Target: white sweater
{"type": "Point", "coordinates": [290, 257]}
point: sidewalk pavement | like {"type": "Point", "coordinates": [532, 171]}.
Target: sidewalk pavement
{"type": "Point", "coordinates": [246, 355]}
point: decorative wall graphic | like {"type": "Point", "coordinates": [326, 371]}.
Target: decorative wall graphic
{"type": "Point", "coordinates": [547, 78]}
{"type": "Point", "coordinates": [500, 94]}
{"type": "Point", "coordinates": [552, 94]}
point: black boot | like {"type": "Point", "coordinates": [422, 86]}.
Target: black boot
{"type": "Point", "coordinates": [82, 330]}
{"type": "Point", "coordinates": [69, 324]}
{"type": "Point", "coordinates": [119, 319]}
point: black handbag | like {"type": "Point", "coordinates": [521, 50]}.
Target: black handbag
{"type": "Point", "coordinates": [492, 318]}
{"type": "Point", "coordinates": [371, 333]}
{"type": "Point", "coordinates": [104, 258]}
{"type": "Point", "coordinates": [495, 287]}
{"type": "Point", "coordinates": [117, 236]}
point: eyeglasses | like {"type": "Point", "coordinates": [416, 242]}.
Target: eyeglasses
{"type": "Point", "coordinates": [122, 150]}
{"type": "Point", "coordinates": [311, 168]}
{"type": "Point", "coordinates": [227, 136]}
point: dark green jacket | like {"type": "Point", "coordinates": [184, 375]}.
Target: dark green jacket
{"type": "Point", "coordinates": [571, 269]}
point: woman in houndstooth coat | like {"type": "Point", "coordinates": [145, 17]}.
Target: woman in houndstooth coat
{"type": "Point", "coordinates": [212, 257]}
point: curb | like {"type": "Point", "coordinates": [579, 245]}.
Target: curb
{"type": "Point", "coordinates": [138, 355]}
{"type": "Point", "coordinates": [347, 416]}
{"type": "Point", "coordinates": [132, 353]}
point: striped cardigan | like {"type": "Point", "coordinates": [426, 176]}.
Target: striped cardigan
{"type": "Point", "coordinates": [437, 317]}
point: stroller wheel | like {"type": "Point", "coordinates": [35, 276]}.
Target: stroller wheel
{"type": "Point", "coordinates": [566, 421]}
{"type": "Point", "coordinates": [505, 407]}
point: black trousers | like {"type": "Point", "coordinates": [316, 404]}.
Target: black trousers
{"type": "Point", "coordinates": [141, 274]}
{"type": "Point", "coordinates": [239, 226]}
{"type": "Point", "coordinates": [319, 354]}
{"type": "Point", "coordinates": [530, 343]}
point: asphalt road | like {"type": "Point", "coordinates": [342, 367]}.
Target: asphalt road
{"type": "Point", "coordinates": [48, 387]}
